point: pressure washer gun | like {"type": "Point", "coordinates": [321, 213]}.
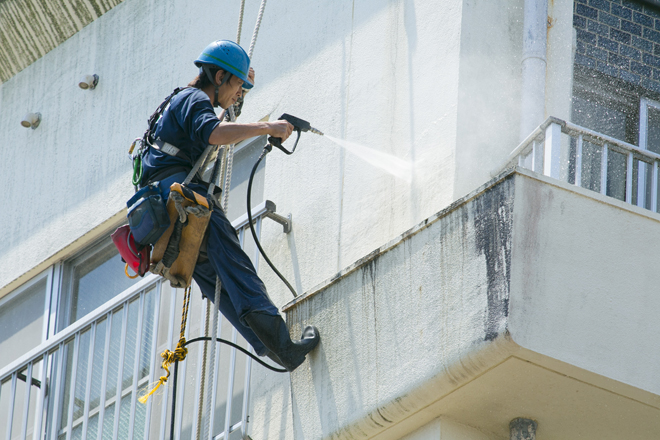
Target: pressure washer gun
{"type": "Point", "coordinates": [299, 125]}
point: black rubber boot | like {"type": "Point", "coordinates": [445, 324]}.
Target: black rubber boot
{"type": "Point", "coordinates": [273, 333]}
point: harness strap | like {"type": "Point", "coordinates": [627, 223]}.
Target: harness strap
{"type": "Point", "coordinates": [169, 149]}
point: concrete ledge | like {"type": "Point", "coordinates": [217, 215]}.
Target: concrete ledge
{"type": "Point", "coordinates": [409, 323]}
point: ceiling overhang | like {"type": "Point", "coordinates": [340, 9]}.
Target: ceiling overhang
{"type": "Point", "coordinates": [29, 29]}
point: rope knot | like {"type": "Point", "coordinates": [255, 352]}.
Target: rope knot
{"type": "Point", "coordinates": [180, 351]}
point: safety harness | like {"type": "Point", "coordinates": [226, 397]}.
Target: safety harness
{"type": "Point", "coordinates": [147, 141]}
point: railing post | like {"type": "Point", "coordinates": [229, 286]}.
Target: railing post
{"type": "Point", "coordinates": [552, 151]}
{"type": "Point", "coordinates": [578, 162]}
{"type": "Point", "coordinates": [654, 187]}
{"type": "Point", "coordinates": [603, 170]}
{"type": "Point", "coordinates": [629, 180]}
{"type": "Point", "coordinates": [536, 155]}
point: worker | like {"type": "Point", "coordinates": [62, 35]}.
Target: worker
{"type": "Point", "coordinates": [190, 124]}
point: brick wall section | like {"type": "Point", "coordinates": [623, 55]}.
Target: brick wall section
{"type": "Point", "coordinates": [620, 38]}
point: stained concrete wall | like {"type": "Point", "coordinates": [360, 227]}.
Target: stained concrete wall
{"type": "Point", "coordinates": [407, 324]}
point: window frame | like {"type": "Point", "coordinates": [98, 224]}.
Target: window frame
{"type": "Point", "coordinates": [66, 270]}
{"type": "Point", "coordinates": [644, 104]}
{"type": "Point", "coordinates": [48, 274]}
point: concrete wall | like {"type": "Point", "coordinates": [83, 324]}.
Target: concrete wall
{"type": "Point", "coordinates": [489, 89]}
{"type": "Point", "coordinates": [384, 75]}
{"type": "Point", "coordinates": [408, 324]}
{"type": "Point", "coordinates": [405, 78]}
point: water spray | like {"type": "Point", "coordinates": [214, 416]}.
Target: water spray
{"type": "Point", "coordinates": [379, 159]}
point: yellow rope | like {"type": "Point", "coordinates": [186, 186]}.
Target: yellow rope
{"type": "Point", "coordinates": [179, 353]}
{"type": "Point", "coordinates": [126, 272]}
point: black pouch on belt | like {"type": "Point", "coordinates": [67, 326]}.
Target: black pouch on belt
{"type": "Point", "coordinates": [147, 215]}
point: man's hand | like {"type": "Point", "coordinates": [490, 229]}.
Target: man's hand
{"type": "Point", "coordinates": [280, 128]}
{"type": "Point", "coordinates": [251, 75]}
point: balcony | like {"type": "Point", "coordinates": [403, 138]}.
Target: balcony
{"type": "Point", "coordinates": [84, 382]}
{"type": "Point", "coordinates": [530, 297]}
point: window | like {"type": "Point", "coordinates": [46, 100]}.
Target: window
{"type": "Point", "coordinates": [245, 156]}
{"type": "Point", "coordinates": [649, 139]}
{"type": "Point", "coordinates": [612, 108]}
{"type": "Point", "coordinates": [89, 280]}
{"type": "Point", "coordinates": [23, 323]}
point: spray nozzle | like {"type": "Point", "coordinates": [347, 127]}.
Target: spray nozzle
{"type": "Point", "coordinates": [299, 125]}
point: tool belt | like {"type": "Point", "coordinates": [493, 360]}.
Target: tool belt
{"type": "Point", "coordinates": [176, 229]}
{"type": "Point", "coordinates": [175, 254]}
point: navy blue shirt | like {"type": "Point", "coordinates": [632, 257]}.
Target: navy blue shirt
{"type": "Point", "coordinates": [187, 124]}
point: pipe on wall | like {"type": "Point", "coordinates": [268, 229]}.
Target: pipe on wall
{"type": "Point", "coordinates": [535, 42]}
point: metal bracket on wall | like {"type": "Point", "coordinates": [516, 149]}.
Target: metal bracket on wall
{"type": "Point", "coordinates": [266, 209]}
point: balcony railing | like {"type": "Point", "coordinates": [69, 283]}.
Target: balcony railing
{"type": "Point", "coordinates": [84, 382]}
{"type": "Point", "coordinates": [591, 160]}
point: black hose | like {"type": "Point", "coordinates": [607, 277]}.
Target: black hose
{"type": "Point", "coordinates": [267, 149]}
{"type": "Point", "coordinates": [237, 347]}
{"type": "Point", "coordinates": [176, 372]}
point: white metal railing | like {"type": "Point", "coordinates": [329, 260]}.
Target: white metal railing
{"type": "Point", "coordinates": [592, 160]}
{"type": "Point", "coordinates": [83, 383]}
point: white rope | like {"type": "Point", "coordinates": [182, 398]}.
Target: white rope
{"type": "Point", "coordinates": [230, 163]}
{"type": "Point", "coordinates": [256, 28]}
{"type": "Point", "coordinates": [211, 382]}
{"type": "Point", "coordinates": [240, 23]}
{"type": "Point", "coordinates": [229, 158]}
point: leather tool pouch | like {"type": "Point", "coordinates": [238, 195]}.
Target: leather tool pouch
{"type": "Point", "coordinates": [175, 253]}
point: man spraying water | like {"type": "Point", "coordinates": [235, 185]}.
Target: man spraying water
{"type": "Point", "coordinates": [189, 124]}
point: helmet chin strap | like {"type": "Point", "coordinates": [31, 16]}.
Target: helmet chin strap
{"type": "Point", "coordinates": [225, 78]}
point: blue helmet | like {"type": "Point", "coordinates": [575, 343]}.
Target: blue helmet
{"type": "Point", "coordinates": [227, 56]}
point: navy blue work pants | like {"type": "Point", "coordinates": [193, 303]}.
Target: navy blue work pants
{"type": "Point", "coordinates": [242, 290]}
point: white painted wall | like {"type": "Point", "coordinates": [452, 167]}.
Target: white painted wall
{"type": "Point", "coordinates": [489, 95]}
{"type": "Point", "coordinates": [584, 281]}
{"type": "Point", "coordinates": [381, 74]}
{"type": "Point", "coordinates": [402, 77]}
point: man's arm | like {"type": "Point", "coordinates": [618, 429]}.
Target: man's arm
{"type": "Point", "coordinates": [231, 132]}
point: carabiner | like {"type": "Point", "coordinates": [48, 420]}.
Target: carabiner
{"type": "Point", "coordinates": [130, 150]}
